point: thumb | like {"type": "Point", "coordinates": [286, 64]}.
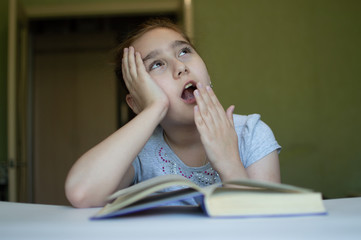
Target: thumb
{"type": "Point", "coordinates": [230, 114]}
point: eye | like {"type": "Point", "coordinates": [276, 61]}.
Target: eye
{"type": "Point", "coordinates": [185, 51]}
{"type": "Point", "coordinates": [154, 65]}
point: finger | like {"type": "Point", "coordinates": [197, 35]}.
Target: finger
{"type": "Point", "coordinates": [139, 63]}
{"type": "Point", "coordinates": [215, 102]}
{"type": "Point", "coordinates": [204, 94]}
{"type": "Point", "coordinates": [212, 106]}
{"type": "Point", "coordinates": [204, 110]}
{"type": "Point", "coordinates": [131, 63]}
{"type": "Point", "coordinates": [229, 112]}
{"type": "Point", "coordinates": [201, 126]}
{"type": "Point", "coordinates": [125, 68]}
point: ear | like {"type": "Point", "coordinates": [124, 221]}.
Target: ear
{"type": "Point", "coordinates": [131, 103]}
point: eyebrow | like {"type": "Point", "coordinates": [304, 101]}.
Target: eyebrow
{"type": "Point", "coordinates": [151, 55]}
{"type": "Point", "coordinates": [178, 43]}
{"type": "Point", "coordinates": [173, 45]}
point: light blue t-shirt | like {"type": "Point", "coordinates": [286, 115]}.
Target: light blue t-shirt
{"type": "Point", "coordinates": [255, 140]}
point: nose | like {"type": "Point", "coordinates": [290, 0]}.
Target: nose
{"type": "Point", "coordinates": [180, 69]}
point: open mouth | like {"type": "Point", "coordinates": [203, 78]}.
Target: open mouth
{"type": "Point", "coordinates": [187, 94]}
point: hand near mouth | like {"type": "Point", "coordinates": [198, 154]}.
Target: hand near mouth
{"type": "Point", "coordinates": [143, 90]}
{"type": "Point", "coordinates": [219, 138]}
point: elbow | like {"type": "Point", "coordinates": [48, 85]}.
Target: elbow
{"type": "Point", "coordinates": [76, 196]}
{"type": "Point", "coordinates": [79, 196]}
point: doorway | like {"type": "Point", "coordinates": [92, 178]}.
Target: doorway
{"type": "Point", "coordinates": [76, 99]}
{"type": "Point", "coordinates": [32, 32]}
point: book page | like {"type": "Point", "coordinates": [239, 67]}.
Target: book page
{"type": "Point", "coordinates": [157, 183]}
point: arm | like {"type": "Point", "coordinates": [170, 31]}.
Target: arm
{"type": "Point", "coordinates": [107, 166]}
{"type": "Point", "coordinates": [266, 169]}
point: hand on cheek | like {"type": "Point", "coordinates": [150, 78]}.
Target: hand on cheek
{"type": "Point", "coordinates": [142, 88]}
{"type": "Point", "coordinates": [216, 129]}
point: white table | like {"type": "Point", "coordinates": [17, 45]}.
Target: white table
{"type": "Point", "coordinates": [34, 221]}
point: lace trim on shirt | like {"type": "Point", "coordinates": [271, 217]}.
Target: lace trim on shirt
{"type": "Point", "coordinates": [202, 177]}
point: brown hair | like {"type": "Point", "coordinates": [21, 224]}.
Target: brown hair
{"type": "Point", "coordinates": [136, 34]}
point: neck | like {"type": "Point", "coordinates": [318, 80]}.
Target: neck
{"type": "Point", "coordinates": [182, 136]}
{"type": "Point", "coordinates": [186, 144]}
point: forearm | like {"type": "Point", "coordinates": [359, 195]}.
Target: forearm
{"type": "Point", "coordinates": [100, 171]}
{"type": "Point", "coordinates": [265, 169]}
{"type": "Point", "coordinates": [229, 167]}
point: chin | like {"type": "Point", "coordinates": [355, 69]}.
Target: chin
{"type": "Point", "coordinates": [183, 118]}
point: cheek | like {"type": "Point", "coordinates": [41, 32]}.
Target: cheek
{"type": "Point", "coordinates": [202, 72]}
{"type": "Point", "coordinates": [163, 82]}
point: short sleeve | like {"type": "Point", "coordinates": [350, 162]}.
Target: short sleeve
{"type": "Point", "coordinates": [136, 166]}
{"type": "Point", "coordinates": [256, 139]}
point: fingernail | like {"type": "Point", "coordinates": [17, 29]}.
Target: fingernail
{"type": "Point", "coordinates": [200, 85]}
{"type": "Point", "coordinates": [125, 49]}
{"type": "Point", "coordinates": [208, 88]}
{"type": "Point", "coordinates": [196, 93]}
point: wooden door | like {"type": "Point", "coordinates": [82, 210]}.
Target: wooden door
{"type": "Point", "coordinates": [74, 105]}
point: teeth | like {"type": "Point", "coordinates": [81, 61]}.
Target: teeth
{"type": "Point", "coordinates": [188, 85]}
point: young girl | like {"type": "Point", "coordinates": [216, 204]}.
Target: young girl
{"type": "Point", "coordinates": [180, 127]}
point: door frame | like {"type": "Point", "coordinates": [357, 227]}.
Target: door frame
{"type": "Point", "coordinates": [16, 70]}
{"type": "Point", "coordinates": [20, 156]}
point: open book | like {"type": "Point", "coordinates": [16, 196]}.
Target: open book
{"type": "Point", "coordinates": [237, 198]}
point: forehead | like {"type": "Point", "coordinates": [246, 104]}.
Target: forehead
{"type": "Point", "coordinates": [156, 39]}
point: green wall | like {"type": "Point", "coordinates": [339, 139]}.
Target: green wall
{"type": "Point", "coordinates": [297, 63]}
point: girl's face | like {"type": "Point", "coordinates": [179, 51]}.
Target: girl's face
{"type": "Point", "coordinates": [176, 67]}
